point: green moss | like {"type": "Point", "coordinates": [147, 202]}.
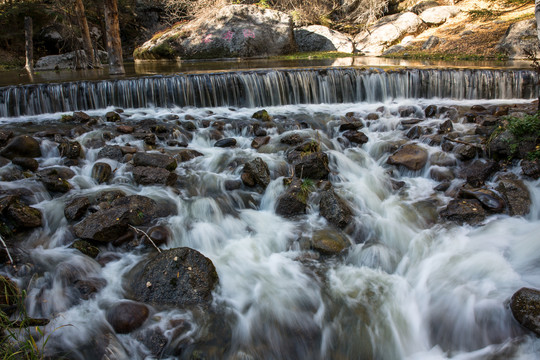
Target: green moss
{"type": "Point", "coordinates": [421, 55]}
{"type": "Point", "coordinates": [312, 55]}
{"type": "Point", "coordinates": [158, 52]}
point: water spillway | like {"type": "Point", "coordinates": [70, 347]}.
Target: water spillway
{"type": "Point", "coordinates": [267, 88]}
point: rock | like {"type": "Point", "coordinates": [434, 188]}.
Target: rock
{"type": "Point", "coordinates": [101, 172]}
{"type": "Point", "coordinates": [22, 215]}
{"type": "Point", "coordinates": [256, 172]}
{"type": "Point", "coordinates": [441, 174]}
{"type": "Point", "coordinates": [56, 178]}
{"type": "Point", "coordinates": [26, 163]}
{"type": "Point", "coordinates": [86, 248]}
{"type": "Point", "coordinates": [146, 175]}
{"type": "Point", "coordinates": [356, 137]}
{"type": "Point", "coordinates": [465, 152]}
{"type": "Point", "coordinates": [87, 288]}
{"type": "Point", "coordinates": [320, 38]}
{"type": "Point", "coordinates": [525, 306]}
{"type": "Point", "coordinates": [292, 139]}
{"type": "Point", "coordinates": [442, 159]}
{"type": "Point", "coordinates": [70, 149]}
{"type": "Point", "coordinates": [111, 152]}
{"type": "Point", "coordinates": [223, 143]}
{"type": "Point", "coordinates": [109, 224]}
{"type": "Point", "coordinates": [498, 146]}
{"type": "Point", "coordinates": [407, 111]}
{"type": "Point", "coordinates": [351, 125]}
{"type": "Point", "coordinates": [21, 146]}
{"type": "Point", "coordinates": [424, 5]}
{"type": "Point", "coordinates": [154, 160]}
{"type": "Point", "coordinates": [489, 199]}
{"type": "Point", "coordinates": [229, 32]}
{"type": "Point", "coordinates": [478, 172]}
{"type": "Point", "coordinates": [187, 155]}
{"type": "Point", "coordinates": [126, 316]}
{"type": "Point", "coordinates": [329, 242]}
{"type": "Point", "coordinates": [180, 277]}
{"type": "Point", "coordinates": [439, 14]}
{"type": "Point", "coordinates": [464, 211]}
{"type": "Point", "coordinates": [125, 129]}
{"type": "Point", "coordinates": [159, 234]}
{"type": "Point", "coordinates": [11, 174]}
{"type": "Point", "coordinates": [76, 208]}
{"type": "Point", "coordinates": [309, 162]}
{"type": "Point", "coordinates": [519, 37]}
{"type": "Point", "coordinates": [294, 200]}
{"type": "Point", "coordinates": [415, 132]}
{"type": "Point", "coordinates": [334, 209]}
{"type": "Point", "coordinates": [430, 111]}
{"type": "Point", "coordinates": [446, 127]}
{"type": "Point", "coordinates": [412, 156]}
{"type": "Point", "coordinates": [71, 60]}
{"type": "Point", "coordinates": [112, 116]}
{"type": "Point", "coordinates": [386, 31]}
{"type": "Point", "coordinates": [5, 135]}
{"type": "Point", "coordinates": [516, 195]}
{"type": "Point", "coordinates": [81, 117]}
{"type": "Point", "coordinates": [531, 168]}
{"type": "Point", "coordinates": [430, 43]}
{"type": "Point", "coordinates": [260, 141]}
{"type": "Point", "coordinates": [262, 115]}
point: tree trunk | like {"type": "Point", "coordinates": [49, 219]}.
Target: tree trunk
{"type": "Point", "coordinates": [114, 44]}
{"type": "Point", "coordinates": [537, 15]}
{"type": "Point", "coordinates": [29, 44]}
{"type": "Point", "coordinates": [87, 41]}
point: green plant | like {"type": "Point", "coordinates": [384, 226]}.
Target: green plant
{"type": "Point", "coordinates": [525, 129]}
{"type": "Point", "coordinates": [305, 189]}
{"type": "Point", "coordinates": [484, 14]}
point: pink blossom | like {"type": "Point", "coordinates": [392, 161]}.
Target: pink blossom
{"type": "Point", "coordinates": [248, 33]}
{"type": "Point", "coordinates": [228, 35]}
{"type": "Point", "coordinates": [207, 39]}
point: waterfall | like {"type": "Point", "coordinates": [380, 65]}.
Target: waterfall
{"type": "Point", "coordinates": [267, 88]}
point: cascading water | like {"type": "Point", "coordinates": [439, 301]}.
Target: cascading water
{"type": "Point", "coordinates": [408, 286]}
{"type": "Point", "coordinates": [267, 88]}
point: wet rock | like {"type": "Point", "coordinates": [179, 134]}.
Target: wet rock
{"type": "Point", "coordinates": [262, 115]}
{"type": "Point", "coordinates": [4, 161]}
{"type": "Point", "coordinates": [11, 174]}
{"type": "Point", "coordinates": [146, 175]}
{"type": "Point", "coordinates": [516, 195]}
{"type": "Point", "coordinates": [412, 156]}
{"type": "Point", "coordinates": [464, 211]}
{"type": "Point", "coordinates": [154, 160]}
{"type": "Point", "coordinates": [109, 224]}
{"type": "Point", "coordinates": [531, 168]}
{"type": "Point", "coordinates": [489, 199]}
{"type": "Point", "coordinates": [21, 146]}
{"type": "Point", "coordinates": [70, 149]}
{"type": "Point", "coordinates": [76, 209]}
{"type": "Point", "coordinates": [406, 111]}
{"type": "Point", "coordinates": [101, 172]}
{"type": "Point", "coordinates": [189, 125]}
{"type": "Point", "coordinates": [415, 132]}
{"type": "Point", "coordinates": [478, 172]}
{"type": "Point", "coordinates": [329, 242]}
{"type": "Point", "coordinates": [112, 116]}
{"type": "Point", "coordinates": [293, 201]}
{"type": "Point", "coordinates": [334, 209]}
{"type": "Point", "coordinates": [351, 124]}
{"type": "Point", "coordinates": [441, 174]}
{"type": "Point", "coordinates": [187, 155]}
{"type": "Point", "coordinates": [292, 139]}
{"type": "Point", "coordinates": [309, 162]}
{"type": "Point", "coordinates": [159, 234]}
{"type": "Point", "coordinates": [356, 137]}
{"type": "Point", "coordinates": [56, 179]}
{"type": "Point", "coordinates": [525, 306]}
{"type": "Point", "coordinates": [150, 139]}
{"type": "Point", "coordinates": [442, 159]}
{"type": "Point", "coordinates": [26, 163]}
{"type": "Point", "coordinates": [260, 141]}
{"type": "Point", "coordinates": [256, 172]}
{"type": "Point", "coordinates": [180, 277]}
{"type": "Point", "coordinates": [5, 135]}
{"type": "Point", "coordinates": [125, 129]}
{"type": "Point", "coordinates": [465, 152]}
{"type": "Point", "coordinates": [86, 248]}
{"type": "Point", "coordinates": [446, 127]}
{"type": "Point", "coordinates": [21, 215]}
{"type": "Point", "coordinates": [87, 288]}
{"type": "Point", "coordinates": [127, 316]}
{"type": "Point", "coordinates": [223, 143]}
{"type": "Point", "coordinates": [499, 146]}
{"type": "Point", "coordinates": [111, 152]}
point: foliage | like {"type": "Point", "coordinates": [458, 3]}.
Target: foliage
{"type": "Point", "coordinates": [484, 14]}
{"type": "Point", "coordinates": [524, 129]}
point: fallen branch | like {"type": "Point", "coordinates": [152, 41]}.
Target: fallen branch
{"type": "Point", "coordinates": [7, 250]}
{"type": "Point", "coordinates": [139, 231]}
{"type": "Point", "coordinates": [462, 142]}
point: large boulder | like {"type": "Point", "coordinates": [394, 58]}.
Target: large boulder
{"type": "Point", "coordinates": [516, 195]}
{"type": "Point", "coordinates": [464, 211]}
{"type": "Point", "coordinates": [16, 215]}
{"type": "Point", "coordinates": [256, 172]}
{"type": "Point", "coordinates": [320, 38]}
{"type": "Point", "coordinates": [231, 31]}
{"type": "Point", "coordinates": [294, 200]}
{"type": "Point", "coordinates": [386, 32]}
{"type": "Point", "coordinates": [519, 36]}
{"type": "Point", "coordinates": [21, 146]}
{"type": "Point", "coordinates": [179, 277]}
{"type": "Point", "coordinates": [525, 306]}
{"type": "Point", "coordinates": [412, 156]}
{"type": "Point", "coordinates": [71, 60]}
{"type": "Point", "coordinates": [439, 14]}
{"type": "Point", "coordinates": [478, 172]}
{"type": "Point", "coordinates": [309, 161]}
{"type": "Point", "coordinates": [109, 224]}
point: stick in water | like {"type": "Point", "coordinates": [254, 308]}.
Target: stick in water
{"type": "Point", "coordinates": [147, 236]}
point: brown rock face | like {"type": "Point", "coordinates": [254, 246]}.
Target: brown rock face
{"type": "Point", "coordinates": [412, 156]}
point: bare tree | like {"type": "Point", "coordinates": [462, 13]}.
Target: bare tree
{"type": "Point", "coordinates": [537, 15]}
{"type": "Point", "coordinates": [87, 41]}
{"type": "Point", "coordinates": [114, 44]}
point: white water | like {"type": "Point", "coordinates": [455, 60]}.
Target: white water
{"type": "Point", "coordinates": [407, 288]}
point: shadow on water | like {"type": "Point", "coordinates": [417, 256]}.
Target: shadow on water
{"type": "Point", "coordinates": [144, 68]}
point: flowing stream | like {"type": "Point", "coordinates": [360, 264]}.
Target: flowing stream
{"type": "Point", "coordinates": [409, 285]}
